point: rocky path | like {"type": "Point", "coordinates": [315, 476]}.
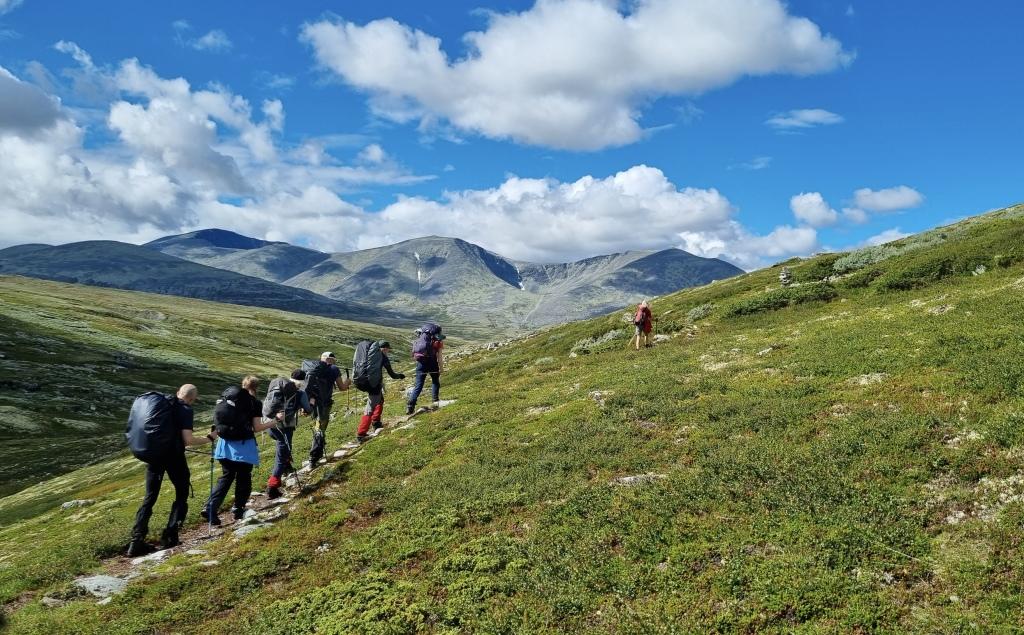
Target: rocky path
{"type": "Point", "coordinates": [199, 542]}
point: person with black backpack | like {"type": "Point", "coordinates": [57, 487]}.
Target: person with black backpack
{"type": "Point", "coordinates": [159, 428]}
{"type": "Point", "coordinates": [368, 364]}
{"type": "Point", "coordinates": [238, 416]}
{"type": "Point", "coordinates": [322, 377]}
{"type": "Point", "coordinates": [426, 351]}
{"type": "Point", "coordinates": [284, 395]}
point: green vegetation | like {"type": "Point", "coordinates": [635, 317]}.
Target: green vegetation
{"type": "Point", "coordinates": [850, 465]}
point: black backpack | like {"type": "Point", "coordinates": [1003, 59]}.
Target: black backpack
{"type": "Point", "coordinates": [319, 384]}
{"type": "Point", "coordinates": [280, 393]}
{"type": "Point", "coordinates": [151, 433]}
{"type": "Point", "coordinates": [233, 413]}
{"type": "Point", "coordinates": [366, 366]}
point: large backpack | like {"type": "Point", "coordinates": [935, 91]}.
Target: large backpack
{"type": "Point", "coordinates": [151, 433]}
{"type": "Point", "coordinates": [280, 393]}
{"type": "Point", "coordinates": [232, 415]}
{"type": "Point", "coordinates": [366, 366]}
{"type": "Point", "coordinates": [319, 382]}
{"type": "Point", "coordinates": [423, 347]}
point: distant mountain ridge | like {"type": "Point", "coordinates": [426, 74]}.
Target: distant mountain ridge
{"type": "Point", "coordinates": [455, 280]}
{"type": "Point", "coordinates": [108, 263]}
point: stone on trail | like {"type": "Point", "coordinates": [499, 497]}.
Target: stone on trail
{"type": "Point", "coordinates": [156, 556]}
{"type": "Point", "coordinates": [638, 479]}
{"type": "Point", "coordinates": [340, 454]}
{"type": "Point", "coordinates": [209, 563]}
{"type": "Point", "coordinates": [661, 337]}
{"type": "Point", "coordinates": [195, 552]}
{"type": "Point", "coordinates": [52, 603]}
{"type": "Point", "coordinates": [101, 586]}
{"type": "Point", "coordinates": [245, 530]}
{"type": "Point", "coordinates": [77, 503]}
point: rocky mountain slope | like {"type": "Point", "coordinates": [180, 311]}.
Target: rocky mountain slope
{"type": "Point", "coordinates": [456, 281]}
{"type": "Point", "coordinates": [120, 265]}
{"type": "Point", "coordinates": [840, 454]}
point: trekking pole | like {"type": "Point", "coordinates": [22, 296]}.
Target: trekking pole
{"type": "Point", "coordinates": [209, 514]}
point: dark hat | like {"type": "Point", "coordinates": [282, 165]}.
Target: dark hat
{"type": "Point", "coordinates": [384, 344]}
{"type": "Point", "coordinates": [298, 375]}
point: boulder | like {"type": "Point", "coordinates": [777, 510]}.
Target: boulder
{"type": "Point", "coordinates": [101, 586]}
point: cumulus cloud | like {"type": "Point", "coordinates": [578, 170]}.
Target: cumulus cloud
{"type": "Point", "coordinates": [24, 109]}
{"type": "Point", "coordinates": [215, 40]}
{"type": "Point", "coordinates": [811, 208]}
{"type": "Point", "coordinates": [183, 158]}
{"type": "Point", "coordinates": [887, 236]}
{"type": "Point", "coordinates": [887, 200]}
{"type": "Point", "coordinates": [572, 74]}
{"type": "Point", "coordinates": [804, 118]}
{"type": "Point", "coordinates": [176, 150]}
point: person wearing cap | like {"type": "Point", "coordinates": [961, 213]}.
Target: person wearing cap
{"type": "Point", "coordinates": [284, 395]}
{"type": "Point", "coordinates": [375, 398]}
{"type": "Point", "coordinates": [327, 377]}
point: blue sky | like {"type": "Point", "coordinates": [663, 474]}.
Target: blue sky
{"type": "Point", "coordinates": [563, 129]}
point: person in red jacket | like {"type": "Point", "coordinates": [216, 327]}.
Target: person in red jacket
{"type": "Point", "coordinates": [642, 322]}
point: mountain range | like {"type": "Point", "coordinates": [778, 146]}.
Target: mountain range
{"type": "Point", "coordinates": [448, 279]}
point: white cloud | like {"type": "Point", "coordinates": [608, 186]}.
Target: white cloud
{"type": "Point", "coordinates": [8, 5]}
{"type": "Point", "coordinates": [23, 107]}
{"type": "Point", "coordinates": [184, 158]}
{"type": "Point", "coordinates": [804, 118]}
{"type": "Point", "coordinates": [855, 215]}
{"type": "Point", "coordinates": [215, 40]}
{"type": "Point", "coordinates": [571, 74]}
{"type": "Point", "coordinates": [887, 236]}
{"type": "Point", "coordinates": [757, 163]}
{"type": "Point", "coordinates": [887, 200]}
{"type": "Point", "coordinates": [811, 208]}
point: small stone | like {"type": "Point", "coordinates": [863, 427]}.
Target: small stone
{"type": "Point", "coordinates": [661, 337]}
{"type": "Point", "coordinates": [244, 531]}
{"type": "Point", "coordinates": [638, 479]}
{"type": "Point", "coordinates": [52, 603]}
{"type": "Point", "coordinates": [209, 563]}
{"type": "Point", "coordinates": [105, 601]}
{"type": "Point", "coordinates": [101, 585]}
{"type": "Point", "coordinates": [764, 352]}
{"type": "Point", "coordinates": [340, 454]}
{"type": "Point", "coordinates": [156, 556]}
{"type": "Point", "coordinates": [195, 552]}
{"type": "Point", "coordinates": [85, 502]}
{"type": "Point", "coordinates": [324, 548]}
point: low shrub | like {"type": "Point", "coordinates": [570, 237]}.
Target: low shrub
{"type": "Point", "coordinates": [817, 269]}
{"type": "Point", "coordinates": [700, 312]}
{"type": "Point", "coordinates": [781, 298]}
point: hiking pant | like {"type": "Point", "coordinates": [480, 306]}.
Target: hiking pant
{"type": "Point", "coordinates": [422, 370]}
{"type": "Point", "coordinates": [321, 417]}
{"type": "Point", "coordinates": [176, 468]}
{"type": "Point", "coordinates": [283, 456]}
{"type": "Point", "coordinates": [372, 413]}
{"type": "Point", "coordinates": [232, 471]}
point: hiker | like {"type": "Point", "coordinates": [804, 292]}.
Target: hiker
{"type": "Point", "coordinates": [238, 417]}
{"type": "Point", "coordinates": [321, 379]}
{"type": "Point", "coordinates": [426, 350]}
{"type": "Point", "coordinates": [159, 429]}
{"type": "Point", "coordinates": [642, 322]}
{"type": "Point", "coordinates": [284, 394]}
{"type": "Point", "coordinates": [368, 376]}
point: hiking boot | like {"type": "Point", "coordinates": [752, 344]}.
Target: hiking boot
{"type": "Point", "coordinates": [205, 514]}
{"type": "Point", "coordinates": [138, 548]}
{"type": "Point", "coordinates": [377, 425]}
{"type": "Point", "coordinates": [169, 539]}
{"type": "Point", "coordinates": [273, 492]}
{"type": "Point", "coordinates": [362, 438]}
{"type": "Point", "coordinates": [410, 408]}
{"type": "Point", "coordinates": [239, 514]}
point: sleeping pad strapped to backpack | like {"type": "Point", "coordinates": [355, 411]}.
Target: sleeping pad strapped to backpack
{"type": "Point", "coordinates": [366, 366]}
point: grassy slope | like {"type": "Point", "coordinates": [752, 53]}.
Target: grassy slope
{"type": "Point", "coordinates": [74, 357]}
{"type": "Point", "coordinates": [843, 465]}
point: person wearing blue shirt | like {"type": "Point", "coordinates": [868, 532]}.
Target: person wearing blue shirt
{"type": "Point", "coordinates": [237, 457]}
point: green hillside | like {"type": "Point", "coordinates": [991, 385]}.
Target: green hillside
{"type": "Point", "coordinates": [842, 455]}
{"type": "Point", "coordinates": [74, 357]}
